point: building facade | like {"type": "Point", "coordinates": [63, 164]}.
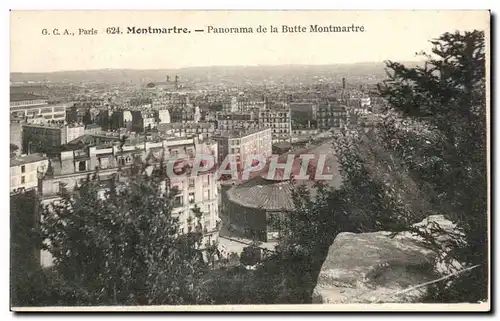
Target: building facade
{"type": "Point", "coordinates": [16, 135]}
{"type": "Point", "coordinates": [279, 121]}
{"type": "Point", "coordinates": [303, 114]}
{"type": "Point", "coordinates": [243, 144]}
{"type": "Point", "coordinates": [331, 116]}
{"type": "Point", "coordinates": [142, 121]}
{"type": "Point", "coordinates": [236, 121]}
{"type": "Point", "coordinates": [25, 170]}
{"type": "Point", "coordinates": [36, 109]}
{"type": "Point", "coordinates": [48, 138]}
{"type": "Point", "coordinates": [206, 129]}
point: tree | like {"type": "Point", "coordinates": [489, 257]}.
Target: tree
{"type": "Point", "coordinates": [124, 246]}
{"type": "Point", "coordinates": [13, 149]}
{"type": "Point", "coordinates": [429, 157]}
{"type": "Point", "coordinates": [449, 93]}
{"type": "Point", "coordinates": [250, 256]}
{"type": "Point", "coordinates": [24, 262]}
{"type": "Point", "coordinates": [306, 234]}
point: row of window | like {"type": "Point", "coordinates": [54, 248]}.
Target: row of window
{"type": "Point", "coordinates": [282, 131]}
{"type": "Point", "coordinates": [28, 102]}
{"type": "Point", "coordinates": [274, 120]}
{"type": "Point", "coordinates": [179, 199]}
{"type": "Point", "coordinates": [268, 115]}
{"type": "Point", "coordinates": [322, 114]}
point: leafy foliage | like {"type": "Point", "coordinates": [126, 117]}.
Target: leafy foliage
{"type": "Point", "coordinates": [250, 256]}
{"type": "Point", "coordinates": [124, 247]}
{"type": "Point", "coordinates": [428, 157]}
{"type": "Point", "coordinates": [13, 149]}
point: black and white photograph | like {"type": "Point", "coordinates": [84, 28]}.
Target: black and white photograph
{"type": "Point", "coordinates": [232, 160]}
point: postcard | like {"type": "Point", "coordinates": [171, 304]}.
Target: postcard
{"type": "Point", "coordinates": [250, 160]}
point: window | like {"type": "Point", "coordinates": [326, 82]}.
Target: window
{"type": "Point", "coordinates": [191, 197]}
{"type": "Point", "coordinates": [104, 162]}
{"type": "Point", "coordinates": [22, 180]}
{"type": "Point", "coordinates": [82, 166]}
{"type": "Point", "coordinates": [206, 195]}
{"type": "Point", "coordinates": [178, 201]}
{"type": "Point", "coordinates": [23, 169]}
{"type": "Point", "coordinates": [191, 182]}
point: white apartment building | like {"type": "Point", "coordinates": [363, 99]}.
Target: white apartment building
{"type": "Point", "coordinates": [242, 144]}
{"type": "Point", "coordinates": [164, 116]}
{"type": "Point", "coordinates": [24, 171]}
{"type": "Point", "coordinates": [279, 120]}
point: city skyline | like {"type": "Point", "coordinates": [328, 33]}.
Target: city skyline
{"type": "Point", "coordinates": [416, 60]}
{"type": "Point", "coordinates": [389, 35]}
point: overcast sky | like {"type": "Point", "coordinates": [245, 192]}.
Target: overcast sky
{"type": "Point", "coordinates": [394, 35]}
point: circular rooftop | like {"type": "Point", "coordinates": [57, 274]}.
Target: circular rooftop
{"type": "Point", "coordinates": [261, 193]}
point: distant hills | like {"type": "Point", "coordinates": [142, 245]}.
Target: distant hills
{"type": "Point", "coordinates": [235, 73]}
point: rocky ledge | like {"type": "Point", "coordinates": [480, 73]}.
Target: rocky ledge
{"type": "Point", "coordinates": [375, 267]}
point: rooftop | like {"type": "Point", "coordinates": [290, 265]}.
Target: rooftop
{"type": "Point", "coordinates": [92, 126]}
{"type": "Point", "coordinates": [276, 194]}
{"type": "Point", "coordinates": [262, 193]}
{"type": "Point", "coordinates": [25, 159]}
{"type": "Point", "coordinates": [46, 125]}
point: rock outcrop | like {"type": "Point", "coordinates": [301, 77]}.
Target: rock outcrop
{"type": "Point", "coordinates": [374, 267]}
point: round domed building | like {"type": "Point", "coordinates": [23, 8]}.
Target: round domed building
{"type": "Point", "coordinates": [255, 208]}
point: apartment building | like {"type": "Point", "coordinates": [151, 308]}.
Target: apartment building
{"type": "Point", "coordinates": [185, 114]}
{"type": "Point", "coordinates": [164, 116]}
{"type": "Point", "coordinates": [236, 121]}
{"type": "Point", "coordinates": [303, 114]}
{"type": "Point", "coordinates": [279, 121]}
{"type": "Point", "coordinates": [206, 129]}
{"type": "Point", "coordinates": [331, 116]}
{"type": "Point", "coordinates": [48, 138]}
{"type": "Point", "coordinates": [25, 171]}
{"type": "Point", "coordinates": [242, 104]}
{"type": "Point", "coordinates": [143, 121]}
{"type": "Point", "coordinates": [230, 106]}
{"type": "Point", "coordinates": [242, 143]}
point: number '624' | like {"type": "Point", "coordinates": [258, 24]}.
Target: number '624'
{"type": "Point", "coordinates": [113, 30]}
